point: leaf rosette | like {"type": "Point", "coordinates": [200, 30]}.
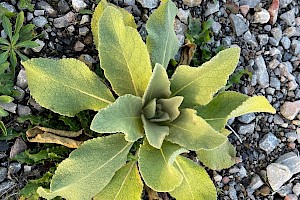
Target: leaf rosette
{"type": "Point", "coordinates": [154, 118]}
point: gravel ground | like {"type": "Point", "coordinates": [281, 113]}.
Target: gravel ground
{"type": "Point", "coordinates": [268, 33]}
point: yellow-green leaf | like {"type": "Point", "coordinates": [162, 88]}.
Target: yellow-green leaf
{"type": "Point", "coordinates": [88, 169]}
{"type": "Point", "coordinates": [159, 85]}
{"type": "Point", "coordinates": [154, 132]}
{"type": "Point", "coordinates": [156, 166]}
{"type": "Point", "coordinates": [123, 54]}
{"type": "Point", "coordinates": [66, 86]}
{"type": "Point", "coordinates": [125, 185]}
{"type": "Point", "coordinates": [162, 41]}
{"type": "Point", "coordinates": [198, 85]}
{"type": "Point", "coordinates": [220, 158]}
{"type": "Point", "coordinates": [196, 184]}
{"type": "Point", "coordinates": [124, 115]}
{"type": "Point", "coordinates": [231, 104]}
{"type": "Point", "coordinates": [194, 133]}
{"type": "Point", "coordinates": [127, 17]}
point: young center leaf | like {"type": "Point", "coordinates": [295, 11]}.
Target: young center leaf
{"type": "Point", "coordinates": [159, 85]}
{"type": "Point", "coordinates": [155, 133]}
{"type": "Point", "coordinates": [156, 166]}
{"type": "Point", "coordinates": [124, 115]}
{"type": "Point", "coordinates": [66, 86]}
{"type": "Point", "coordinates": [220, 158]}
{"type": "Point", "coordinates": [198, 85]}
{"type": "Point", "coordinates": [196, 184]}
{"type": "Point", "coordinates": [232, 104]}
{"type": "Point", "coordinates": [162, 41]}
{"type": "Point", "coordinates": [127, 17]}
{"type": "Point", "coordinates": [194, 133]}
{"type": "Point", "coordinates": [123, 54]}
{"type": "Point", "coordinates": [125, 185]}
{"type": "Point", "coordinates": [88, 169]}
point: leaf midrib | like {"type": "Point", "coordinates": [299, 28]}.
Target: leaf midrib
{"type": "Point", "coordinates": [123, 182]}
{"type": "Point", "coordinates": [183, 174]}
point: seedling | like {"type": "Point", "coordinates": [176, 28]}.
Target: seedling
{"type": "Point", "coordinates": [153, 120]}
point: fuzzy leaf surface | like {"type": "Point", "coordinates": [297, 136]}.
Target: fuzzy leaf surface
{"type": "Point", "coordinates": [88, 169]}
{"type": "Point", "coordinates": [194, 133]}
{"type": "Point", "coordinates": [127, 17]}
{"type": "Point", "coordinates": [66, 86]}
{"type": "Point", "coordinates": [155, 133]}
{"type": "Point", "coordinates": [124, 115]}
{"type": "Point", "coordinates": [231, 104]}
{"type": "Point", "coordinates": [162, 41]}
{"type": "Point", "coordinates": [159, 85]}
{"type": "Point", "coordinates": [123, 54]}
{"type": "Point", "coordinates": [171, 106]}
{"type": "Point", "coordinates": [156, 166]}
{"type": "Point", "coordinates": [220, 158]}
{"type": "Point", "coordinates": [198, 85]}
{"type": "Point", "coordinates": [196, 184]}
{"type": "Point", "coordinates": [125, 185]}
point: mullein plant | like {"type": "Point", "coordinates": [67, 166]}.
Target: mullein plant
{"type": "Point", "coordinates": [146, 132]}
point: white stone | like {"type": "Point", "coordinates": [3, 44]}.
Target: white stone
{"type": "Point", "coordinates": [78, 5]}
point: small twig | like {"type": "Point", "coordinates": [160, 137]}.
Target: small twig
{"type": "Point", "coordinates": [238, 137]}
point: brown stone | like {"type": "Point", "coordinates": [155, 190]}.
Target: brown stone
{"type": "Point", "coordinates": [290, 109]}
{"type": "Point", "coordinates": [273, 11]}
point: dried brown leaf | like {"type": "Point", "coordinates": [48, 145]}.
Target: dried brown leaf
{"type": "Point", "coordinates": [187, 53]}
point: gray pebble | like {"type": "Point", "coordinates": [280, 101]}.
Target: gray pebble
{"type": "Point", "coordinates": [289, 17]}
{"type": "Point", "coordinates": [284, 3]}
{"type": "Point", "coordinates": [39, 12]}
{"type": "Point", "coordinates": [78, 5]}
{"type": "Point", "coordinates": [83, 30]}
{"type": "Point", "coordinates": [261, 72]}
{"type": "Point", "coordinates": [40, 21]}
{"type": "Point", "coordinates": [47, 7]}
{"type": "Point", "coordinates": [286, 42]}
{"type": "Point", "coordinates": [63, 6]}
{"type": "Point", "coordinates": [79, 46]}
{"type": "Point", "coordinates": [295, 47]}
{"type": "Point", "coordinates": [9, 7]}
{"type": "Point", "coordinates": [246, 129]}
{"type": "Point", "coordinates": [256, 182]}
{"type": "Point", "coordinates": [273, 64]}
{"type": "Point", "coordinates": [296, 189]}
{"type": "Point", "coordinates": [291, 136]}
{"type": "Point", "coordinates": [247, 118]}
{"type": "Point", "coordinates": [40, 47]}
{"type": "Point", "coordinates": [251, 4]}
{"type": "Point", "coordinates": [285, 190]}
{"type": "Point", "coordinates": [261, 16]}
{"type": "Point", "coordinates": [22, 79]}
{"type": "Point", "coordinates": [84, 19]}
{"type": "Point", "coordinates": [269, 142]}
{"type": "Point", "coordinates": [238, 24]}
{"type": "Point", "coordinates": [3, 173]}
{"type": "Point", "coordinates": [10, 107]}
{"type": "Point", "coordinates": [23, 110]}
{"type": "Point", "coordinates": [277, 175]}
{"type": "Point", "coordinates": [21, 93]}
{"type": "Point", "coordinates": [149, 3]}
{"type": "Point", "coordinates": [263, 39]}
{"type": "Point", "coordinates": [5, 186]}
{"type": "Point", "coordinates": [14, 167]}
{"type": "Point", "coordinates": [232, 192]}
{"type": "Point", "coordinates": [291, 160]}
{"type": "Point", "coordinates": [212, 7]}
{"type": "Point", "coordinates": [216, 27]}
{"type": "Point", "coordinates": [278, 120]}
{"type": "Point", "coordinates": [64, 21]}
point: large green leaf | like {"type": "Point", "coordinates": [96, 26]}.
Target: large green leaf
{"type": "Point", "coordinates": [193, 132]}
{"type": "Point", "coordinates": [5, 99]}
{"type": "Point", "coordinates": [66, 86]}
{"type": "Point", "coordinates": [156, 166]}
{"type": "Point", "coordinates": [162, 41]}
{"type": "Point", "coordinates": [125, 185]}
{"type": "Point", "coordinates": [196, 184]}
{"type": "Point", "coordinates": [220, 158]}
{"type": "Point", "coordinates": [159, 85]}
{"type": "Point", "coordinates": [124, 115]}
{"type": "Point", "coordinates": [232, 104]}
{"type": "Point", "coordinates": [88, 169]}
{"type": "Point", "coordinates": [155, 133]}
{"type": "Point", "coordinates": [198, 85]}
{"type": "Point", "coordinates": [127, 17]}
{"type": "Point", "coordinates": [123, 54]}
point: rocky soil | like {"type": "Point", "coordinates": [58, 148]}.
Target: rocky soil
{"type": "Point", "coordinates": [268, 32]}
